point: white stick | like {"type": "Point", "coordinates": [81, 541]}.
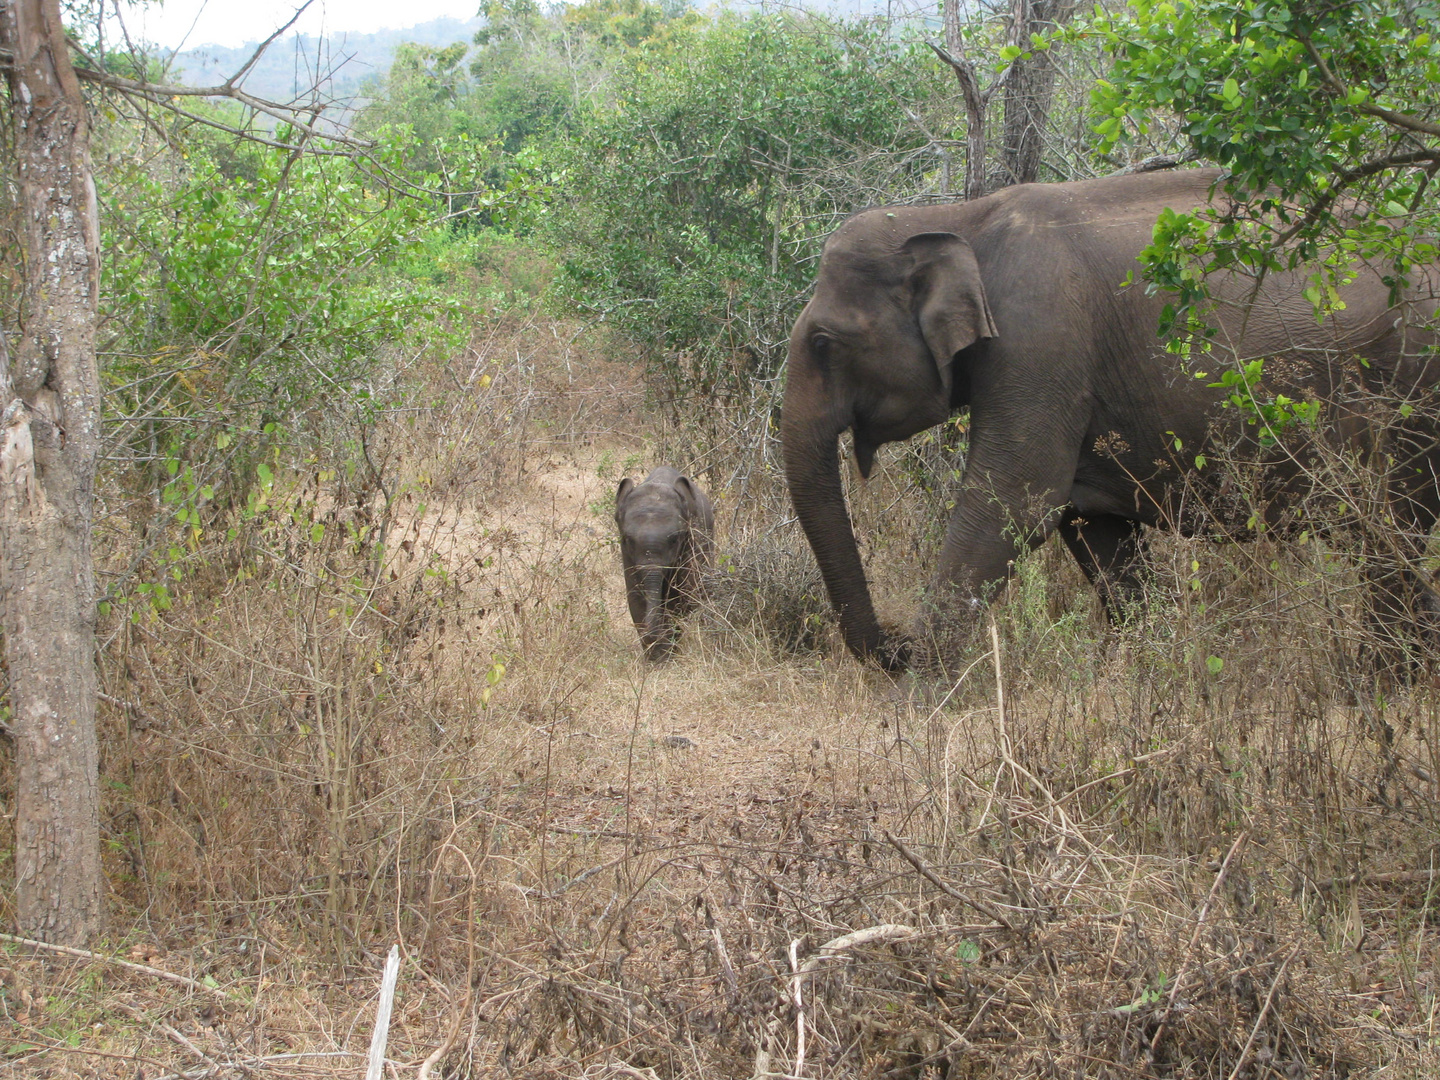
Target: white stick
{"type": "Point", "coordinates": [795, 980]}
{"type": "Point", "coordinates": [382, 1014]}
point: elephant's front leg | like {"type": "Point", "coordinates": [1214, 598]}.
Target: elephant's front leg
{"type": "Point", "coordinates": [1016, 490]}
{"type": "Point", "coordinates": [986, 535]}
{"type": "Point", "coordinates": [1111, 554]}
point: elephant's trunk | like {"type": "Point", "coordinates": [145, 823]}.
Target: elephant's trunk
{"type": "Point", "coordinates": [657, 635]}
{"type": "Point", "coordinates": [812, 470]}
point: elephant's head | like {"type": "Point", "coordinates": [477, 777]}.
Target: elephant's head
{"type": "Point", "coordinates": [875, 350]}
{"type": "Point", "coordinates": [655, 520]}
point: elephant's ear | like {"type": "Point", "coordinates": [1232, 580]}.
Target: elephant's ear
{"type": "Point", "coordinates": [690, 494]}
{"type": "Point", "coordinates": [949, 297]}
{"type": "Point", "coordinates": [626, 486]}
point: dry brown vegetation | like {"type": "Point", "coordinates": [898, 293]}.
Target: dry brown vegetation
{"type": "Point", "coordinates": [1201, 846]}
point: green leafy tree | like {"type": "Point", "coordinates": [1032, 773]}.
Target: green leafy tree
{"type": "Point", "coordinates": [1326, 114]}
{"type": "Point", "coordinates": [697, 189]}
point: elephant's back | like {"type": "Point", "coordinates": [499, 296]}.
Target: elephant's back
{"type": "Point", "coordinates": [1111, 214]}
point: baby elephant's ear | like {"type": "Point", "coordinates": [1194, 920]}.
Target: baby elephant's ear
{"type": "Point", "coordinates": [690, 493]}
{"type": "Point", "coordinates": [626, 486]}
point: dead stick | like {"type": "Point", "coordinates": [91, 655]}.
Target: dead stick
{"type": "Point", "coordinates": [1190, 949]}
{"type": "Point", "coordinates": [934, 879]}
{"type": "Point", "coordinates": [796, 982]}
{"type": "Point", "coordinates": [445, 1047]}
{"type": "Point", "coordinates": [86, 954]}
{"type": "Point", "coordinates": [381, 1034]}
{"type": "Point", "coordinates": [175, 1035]}
{"type": "Point", "coordinates": [1245, 1053]}
{"type": "Point", "coordinates": [1399, 877]}
{"type": "Point", "coordinates": [831, 950]}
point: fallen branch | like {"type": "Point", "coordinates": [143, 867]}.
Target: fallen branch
{"type": "Point", "coordinates": [833, 948]}
{"type": "Point", "coordinates": [1194, 937]}
{"type": "Point", "coordinates": [929, 875]}
{"type": "Point", "coordinates": [1264, 1011]}
{"type": "Point", "coordinates": [381, 1033]}
{"type": "Point", "coordinates": [796, 983]}
{"type": "Point", "coordinates": [86, 954]}
{"type": "Point", "coordinates": [1399, 877]}
{"type": "Point", "coordinates": [173, 1034]}
{"type": "Point", "coordinates": [445, 1047]}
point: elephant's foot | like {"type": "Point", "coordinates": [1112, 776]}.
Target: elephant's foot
{"type": "Point", "coordinates": [946, 643]}
{"type": "Point", "coordinates": [659, 644]}
{"type": "Point", "coordinates": [660, 650]}
{"type": "Point", "coordinates": [893, 654]}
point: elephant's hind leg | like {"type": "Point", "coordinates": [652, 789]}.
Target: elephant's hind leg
{"type": "Point", "coordinates": [1111, 553]}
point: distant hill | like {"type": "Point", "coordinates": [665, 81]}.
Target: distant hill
{"type": "Point", "coordinates": [289, 66]}
{"type": "Point", "coordinates": [345, 60]}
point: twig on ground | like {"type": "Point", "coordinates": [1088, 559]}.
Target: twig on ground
{"type": "Point", "coordinates": [1264, 1010]}
{"type": "Point", "coordinates": [723, 954]}
{"type": "Point", "coordinates": [979, 905]}
{"type": "Point", "coordinates": [829, 951]}
{"type": "Point", "coordinates": [1399, 877]}
{"type": "Point", "coordinates": [797, 980]}
{"type": "Point", "coordinates": [86, 954]}
{"type": "Point", "coordinates": [174, 1035]}
{"type": "Point", "coordinates": [1194, 937]}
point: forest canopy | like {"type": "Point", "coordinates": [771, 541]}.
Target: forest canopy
{"type": "Point", "coordinates": [676, 171]}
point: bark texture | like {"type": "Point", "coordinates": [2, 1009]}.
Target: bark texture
{"type": "Point", "coordinates": [1029, 91]}
{"type": "Point", "coordinates": [977, 101]}
{"type": "Point", "coordinates": [49, 441]}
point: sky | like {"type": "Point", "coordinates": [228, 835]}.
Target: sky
{"type": "Point", "coordinates": [189, 23]}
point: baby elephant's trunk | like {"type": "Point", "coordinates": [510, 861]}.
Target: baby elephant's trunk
{"type": "Point", "coordinates": [658, 636]}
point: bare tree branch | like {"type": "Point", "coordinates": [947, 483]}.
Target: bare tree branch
{"type": "Point", "coordinates": [260, 49]}
{"type": "Point", "coordinates": [162, 93]}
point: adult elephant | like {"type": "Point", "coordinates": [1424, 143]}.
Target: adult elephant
{"type": "Point", "coordinates": [1018, 307]}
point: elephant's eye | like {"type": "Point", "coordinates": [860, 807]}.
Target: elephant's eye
{"type": "Point", "coordinates": [820, 345]}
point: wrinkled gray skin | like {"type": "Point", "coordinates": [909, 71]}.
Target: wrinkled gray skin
{"type": "Point", "coordinates": [1013, 305]}
{"type": "Point", "coordinates": [666, 527]}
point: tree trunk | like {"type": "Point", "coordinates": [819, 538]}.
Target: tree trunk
{"type": "Point", "coordinates": [976, 101]}
{"type": "Point", "coordinates": [49, 440]}
{"type": "Point", "coordinates": [1029, 91]}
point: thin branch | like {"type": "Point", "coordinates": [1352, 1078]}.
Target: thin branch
{"type": "Point", "coordinates": [914, 860]}
{"type": "Point", "coordinates": [1402, 877]}
{"type": "Point", "coordinates": [86, 954]}
{"type": "Point", "coordinates": [1264, 1011]}
{"type": "Point", "coordinates": [260, 49]}
{"type": "Point", "coordinates": [1349, 176]}
{"type": "Point", "coordinates": [1390, 116]}
{"type": "Point", "coordinates": [1194, 937]}
{"type": "Point", "coordinates": [162, 93]}
{"type": "Point", "coordinates": [244, 133]}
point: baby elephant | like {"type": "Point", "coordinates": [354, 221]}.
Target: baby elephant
{"type": "Point", "coordinates": [666, 526]}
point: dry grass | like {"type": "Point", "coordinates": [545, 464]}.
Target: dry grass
{"type": "Point", "coordinates": [1142, 864]}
